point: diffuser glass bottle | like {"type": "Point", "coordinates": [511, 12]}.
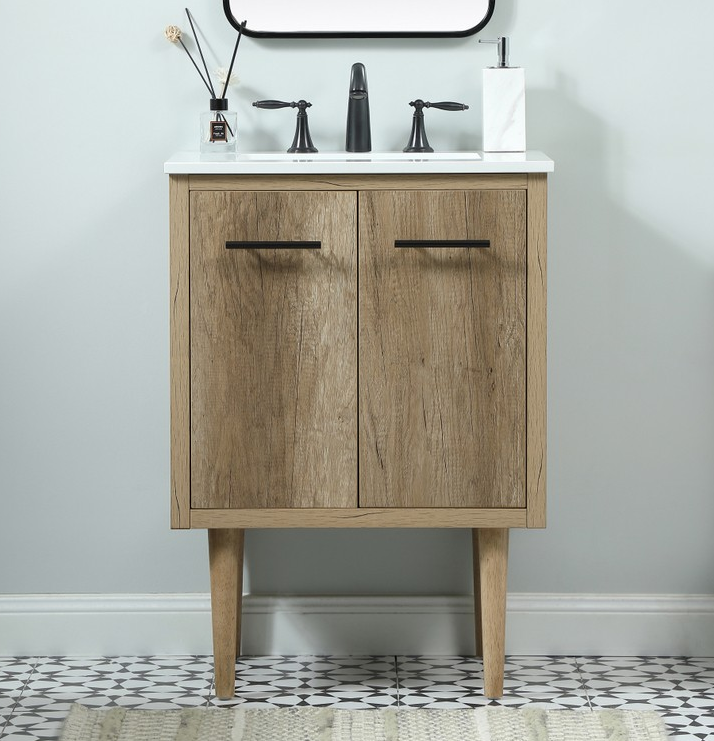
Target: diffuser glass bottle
{"type": "Point", "coordinates": [218, 128]}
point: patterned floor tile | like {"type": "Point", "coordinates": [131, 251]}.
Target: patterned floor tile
{"type": "Point", "coordinates": [704, 673]}
{"type": "Point", "coordinates": [38, 692]}
{"type": "Point", "coordinates": [14, 676]}
{"type": "Point", "coordinates": [702, 663]}
{"type": "Point", "coordinates": [62, 671]}
{"type": "Point", "coordinates": [157, 682]}
{"type": "Point", "coordinates": [12, 661]}
{"type": "Point", "coordinates": [443, 700]}
{"type": "Point", "coordinates": [317, 681]}
{"type": "Point", "coordinates": [33, 727]}
{"type": "Point", "coordinates": [8, 700]}
{"type": "Point", "coordinates": [650, 676]}
{"type": "Point", "coordinates": [461, 678]}
{"type": "Point", "coordinates": [16, 665]}
{"type": "Point", "coordinates": [4, 717]}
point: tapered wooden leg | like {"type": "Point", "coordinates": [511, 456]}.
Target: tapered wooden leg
{"type": "Point", "coordinates": [493, 569]}
{"type": "Point", "coordinates": [240, 539]}
{"type": "Point", "coordinates": [477, 597]}
{"type": "Point", "coordinates": [223, 559]}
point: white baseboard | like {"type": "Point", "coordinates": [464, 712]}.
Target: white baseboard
{"type": "Point", "coordinates": [554, 624]}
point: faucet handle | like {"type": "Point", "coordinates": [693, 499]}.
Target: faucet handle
{"type": "Point", "coordinates": [273, 104]}
{"type": "Point", "coordinates": [445, 105]}
{"type": "Point", "coordinates": [302, 142]}
{"type": "Point", "coordinates": [417, 139]}
{"type": "Point", "coordinates": [448, 106]}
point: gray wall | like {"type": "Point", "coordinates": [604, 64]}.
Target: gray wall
{"type": "Point", "coordinates": [94, 99]}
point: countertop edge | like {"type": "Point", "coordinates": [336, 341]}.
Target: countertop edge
{"type": "Point", "coordinates": [191, 163]}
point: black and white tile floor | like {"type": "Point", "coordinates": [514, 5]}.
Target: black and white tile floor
{"type": "Point", "coordinates": [36, 692]}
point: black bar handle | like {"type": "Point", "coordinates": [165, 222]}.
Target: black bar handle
{"type": "Point", "coordinates": [447, 105]}
{"type": "Point", "coordinates": [274, 104]}
{"type": "Point", "coordinates": [470, 243]}
{"type": "Point", "coordinates": [274, 245]}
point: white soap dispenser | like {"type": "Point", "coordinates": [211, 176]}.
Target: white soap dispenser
{"type": "Point", "coordinates": [504, 103]}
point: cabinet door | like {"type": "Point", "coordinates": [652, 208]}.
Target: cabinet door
{"type": "Point", "coordinates": [273, 349]}
{"type": "Point", "coordinates": [442, 349]}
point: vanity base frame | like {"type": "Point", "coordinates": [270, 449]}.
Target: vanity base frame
{"type": "Point", "coordinates": [490, 555]}
{"type": "Point", "coordinates": [489, 524]}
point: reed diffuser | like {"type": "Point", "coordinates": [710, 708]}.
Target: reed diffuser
{"type": "Point", "coordinates": [218, 125]}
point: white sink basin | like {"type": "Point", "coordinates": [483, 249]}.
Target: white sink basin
{"type": "Point", "coordinates": [360, 157]}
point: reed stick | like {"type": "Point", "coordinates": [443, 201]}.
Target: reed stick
{"type": "Point", "coordinates": [233, 58]}
{"type": "Point", "coordinates": [200, 51]}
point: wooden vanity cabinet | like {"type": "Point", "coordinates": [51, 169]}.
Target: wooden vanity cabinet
{"type": "Point", "coordinates": [442, 348]}
{"type": "Point", "coordinates": [358, 351]}
{"type": "Point", "coordinates": [273, 349]}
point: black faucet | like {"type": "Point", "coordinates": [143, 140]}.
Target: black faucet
{"type": "Point", "coordinates": [417, 139]}
{"type": "Point", "coordinates": [359, 137]}
{"type": "Point", "coordinates": [302, 141]}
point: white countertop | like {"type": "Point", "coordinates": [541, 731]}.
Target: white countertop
{"type": "Point", "coordinates": [345, 163]}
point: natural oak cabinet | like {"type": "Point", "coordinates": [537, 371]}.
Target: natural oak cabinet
{"type": "Point", "coordinates": [358, 351]}
{"type": "Point", "coordinates": [273, 328]}
{"type": "Point", "coordinates": [442, 348]}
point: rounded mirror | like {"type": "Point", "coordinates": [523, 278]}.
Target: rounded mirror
{"type": "Point", "coordinates": [359, 18]}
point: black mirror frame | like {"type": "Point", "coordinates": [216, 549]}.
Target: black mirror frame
{"type": "Point", "coordinates": [356, 34]}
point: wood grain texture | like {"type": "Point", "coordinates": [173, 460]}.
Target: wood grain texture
{"type": "Point", "coordinates": [442, 350]}
{"type": "Point", "coordinates": [179, 341]}
{"type": "Point", "coordinates": [273, 351]}
{"type": "Point", "coordinates": [493, 571]}
{"type": "Point", "coordinates": [357, 518]}
{"type": "Point", "coordinates": [358, 182]}
{"type": "Point", "coordinates": [536, 382]}
{"type": "Point", "coordinates": [223, 556]}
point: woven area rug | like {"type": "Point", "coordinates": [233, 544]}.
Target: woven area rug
{"type": "Point", "coordinates": [324, 724]}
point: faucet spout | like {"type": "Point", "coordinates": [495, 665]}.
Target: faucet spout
{"type": "Point", "coordinates": [359, 137]}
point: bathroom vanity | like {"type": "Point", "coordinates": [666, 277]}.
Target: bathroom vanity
{"type": "Point", "coordinates": [358, 341]}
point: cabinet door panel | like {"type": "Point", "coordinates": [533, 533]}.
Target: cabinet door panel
{"type": "Point", "coordinates": [442, 350]}
{"type": "Point", "coordinates": [273, 350]}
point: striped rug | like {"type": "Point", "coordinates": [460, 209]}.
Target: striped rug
{"type": "Point", "coordinates": [326, 724]}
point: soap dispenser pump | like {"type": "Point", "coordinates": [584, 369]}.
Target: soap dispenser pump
{"type": "Point", "coordinates": [504, 103]}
